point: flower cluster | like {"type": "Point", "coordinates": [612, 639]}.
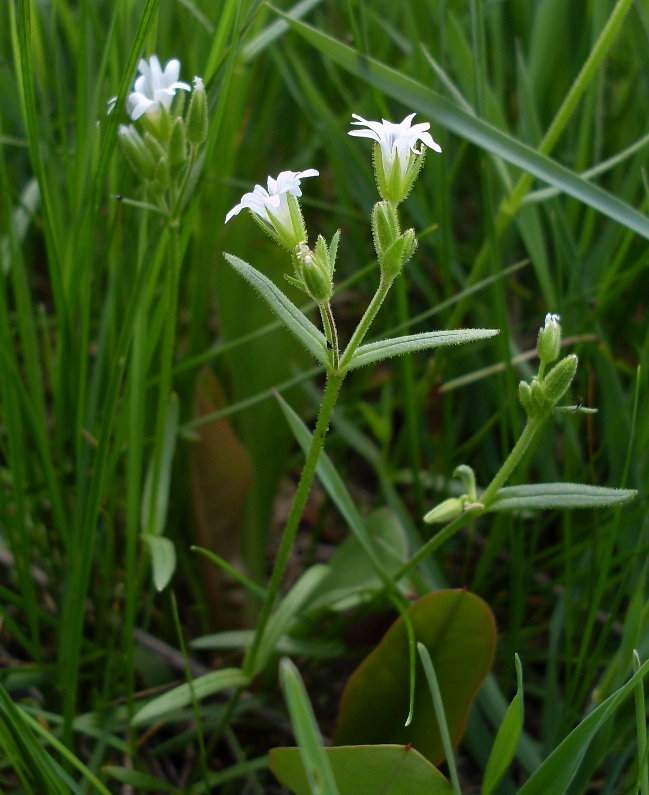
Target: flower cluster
{"type": "Point", "coordinates": [397, 162]}
{"type": "Point", "coordinates": [170, 139]}
{"type": "Point", "coordinates": [543, 393]}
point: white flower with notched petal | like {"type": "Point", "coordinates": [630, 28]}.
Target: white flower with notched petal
{"type": "Point", "coordinates": [277, 210]}
{"type": "Point", "coordinates": [153, 89]}
{"type": "Point", "coordinates": [396, 159]}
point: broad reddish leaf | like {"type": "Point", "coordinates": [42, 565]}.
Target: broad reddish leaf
{"type": "Point", "coordinates": [221, 476]}
{"type": "Point", "coordinates": [367, 769]}
{"type": "Point", "coordinates": [459, 631]}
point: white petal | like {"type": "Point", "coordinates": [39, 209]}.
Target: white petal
{"type": "Point", "coordinates": [171, 72]}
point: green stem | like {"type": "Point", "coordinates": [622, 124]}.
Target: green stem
{"type": "Point", "coordinates": [366, 321]}
{"type": "Point", "coordinates": [487, 497]}
{"type": "Point", "coordinates": [331, 332]}
{"type": "Point", "coordinates": [334, 382]}
{"type": "Point", "coordinates": [512, 461]}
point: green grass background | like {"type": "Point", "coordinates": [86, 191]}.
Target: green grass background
{"type": "Point", "coordinates": [511, 89]}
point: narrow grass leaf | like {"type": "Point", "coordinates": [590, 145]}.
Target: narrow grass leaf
{"type": "Point", "coordinates": [557, 771]}
{"type": "Point", "coordinates": [315, 760]}
{"type": "Point", "coordinates": [419, 97]}
{"type": "Point", "coordinates": [288, 610]}
{"type": "Point", "coordinates": [506, 742]}
{"type": "Point", "coordinates": [436, 694]}
{"type": "Point", "coordinates": [163, 559]}
{"type": "Point", "coordinates": [181, 696]}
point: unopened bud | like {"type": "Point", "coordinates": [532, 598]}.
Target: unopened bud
{"type": "Point", "coordinates": [385, 227]}
{"type": "Point", "coordinates": [197, 114]}
{"type": "Point", "coordinates": [557, 381]}
{"type": "Point", "coordinates": [313, 271]}
{"type": "Point", "coordinates": [136, 151]}
{"type": "Point", "coordinates": [549, 341]}
{"type": "Point", "coordinates": [445, 511]}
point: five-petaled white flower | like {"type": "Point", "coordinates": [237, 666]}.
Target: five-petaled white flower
{"type": "Point", "coordinates": [398, 158]}
{"type": "Point", "coordinates": [276, 208]}
{"type": "Point", "coordinates": [154, 88]}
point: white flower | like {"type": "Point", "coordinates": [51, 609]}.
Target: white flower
{"type": "Point", "coordinates": [396, 138]}
{"type": "Point", "coordinates": [398, 160]}
{"type": "Point", "coordinates": [154, 87]}
{"type": "Point", "coordinates": [272, 207]}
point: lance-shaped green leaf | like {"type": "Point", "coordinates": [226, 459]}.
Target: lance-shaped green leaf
{"type": "Point", "coordinates": [558, 770]}
{"type": "Point", "coordinates": [294, 320]}
{"type": "Point", "coordinates": [163, 559]}
{"type": "Point", "coordinates": [314, 758]}
{"type": "Point", "coordinates": [543, 496]}
{"type": "Point", "coordinates": [396, 346]}
{"type": "Point", "coordinates": [419, 97]}
{"type": "Point", "coordinates": [181, 696]}
{"type": "Point", "coordinates": [506, 741]}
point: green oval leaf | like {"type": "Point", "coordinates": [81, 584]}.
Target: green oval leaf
{"type": "Point", "coordinates": [367, 769]}
{"type": "Point", "coordinates": [458, 630]}
{"type": "Point", "coordinates": [542, 496]}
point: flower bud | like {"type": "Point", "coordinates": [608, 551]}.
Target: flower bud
{"type": "Point", "coordinates": [136, 151]}
{"type": "Point", "coordinates": [385, 227]}
{"type": "Point", "coordinates": [549, 341]}
{"type": "Point", "coordinates": [445, 511]}
{"type": "Point", "coordinates": [313, 271]}
{"type": "Point", "coordinates": [557, 381]}
{"type": "Point", "coordinates": [197, 114]}
{"type": "Point", "coordinates": [397, 255]}
{"type": "Point", "coordinates": [525, 396]}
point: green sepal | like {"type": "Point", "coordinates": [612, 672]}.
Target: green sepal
{"type": "Point", "coordinates": [177, 144]}
{"type": "Point", "coordinates": [556, 382]}
{"type": "Point", "coordinates": [163, 173]}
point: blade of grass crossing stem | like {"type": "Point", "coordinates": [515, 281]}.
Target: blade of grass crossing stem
{"type": "Point", "coordinates": [440, 715]}
{"type": "Point", "coordinates": [316, 764]}
{"type": "Point", "coordinates": [335, 487]}
{"type": "Point", "coordinates": [642, 785]}
{"type": "Point", "coordinates": [190, 682]}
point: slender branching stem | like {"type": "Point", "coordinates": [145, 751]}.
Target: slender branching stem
{"type": "Point", "coordinates": [366, 321]}
{"type": "Point", "coordinates": [334, 382]}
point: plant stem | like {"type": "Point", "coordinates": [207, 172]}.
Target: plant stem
{"type": "Point", "coordinates": [334, 382]}
{"type": "Point", "coordinates": [331, 332]}
{"type": "Point", "coordinates": [487, 497]}
{"type": "Point", "coordinates": [366, 321]}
